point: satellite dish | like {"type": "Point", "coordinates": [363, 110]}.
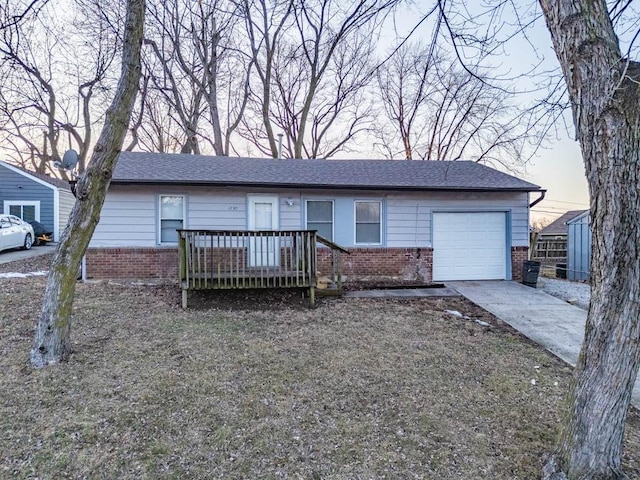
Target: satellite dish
{"type": "Point", "coordinates": [69, 159]}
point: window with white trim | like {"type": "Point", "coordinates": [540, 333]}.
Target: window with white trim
{"type": "Point", "coordinates": [29, 211]}
{"type": "Point", "coordinates": [320, 217]}
{"type": "Point", "coordinates": [368, 222]}
{"type": "Point", "coordinates": [172, 212]}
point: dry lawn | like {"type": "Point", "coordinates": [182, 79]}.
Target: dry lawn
{"type": "Point", "coordinates": [355, 388]}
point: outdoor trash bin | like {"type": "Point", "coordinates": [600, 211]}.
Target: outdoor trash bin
{"type": "Point", "coordinates": [561, 270]}
{"type": "Point", "coordinates": [530, 272]}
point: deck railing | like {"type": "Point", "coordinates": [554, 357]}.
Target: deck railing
{"type": "Point", "coordinates": [230, 259]}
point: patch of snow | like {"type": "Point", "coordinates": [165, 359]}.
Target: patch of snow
{"type": "Point", "coordinates": [456, 313]}
{"type": "Point", "coordinates": [23, 275]}
{"type": "Point", "coordinates": [576, 293]}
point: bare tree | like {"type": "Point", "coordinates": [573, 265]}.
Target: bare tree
{"type": "Point", "coordinates": [199, 70]}
{"type": "Point", "coordinates": [603, 88]}
{"type": "Point", "coordinates": [52, 336]}
{"type": "Point", "coordinates": [440, 111]}
{"type": "Point", "coordinates": [265, 25]}
{"type": "Point", "coordinates": [314, 63]}
{"type": "Point", "coordinates": [12, 14]}
{"type": "Point", "coordinates": [158, 127]}
{"type": "Point", "coordinates": [47, 96]}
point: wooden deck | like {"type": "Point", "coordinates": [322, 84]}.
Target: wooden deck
{"type": "Point", "coordinates": [223, 259]}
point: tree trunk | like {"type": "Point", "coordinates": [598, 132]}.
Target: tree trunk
{"type": "Point", "coordinates": [604, 91]}
{"type": "Point", "coordinates": [51, 343]}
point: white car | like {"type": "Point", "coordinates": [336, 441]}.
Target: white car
{"type": "Point", "coordinates": [15, 233]}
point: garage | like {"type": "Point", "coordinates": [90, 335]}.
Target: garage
{"type": "Point", "coordinates": [469, 246]}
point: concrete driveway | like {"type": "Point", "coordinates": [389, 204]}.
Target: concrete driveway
{"type": "Point", "coordinates": [556, 325]}
{"type": "Point", "coordinates": [7, 256]}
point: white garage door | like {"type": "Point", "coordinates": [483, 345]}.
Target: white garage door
{"type": "Point", "coordinates": [469, 246]}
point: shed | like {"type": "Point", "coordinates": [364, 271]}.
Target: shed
{"type": "Point", "coordinates": [551, 245]}
{"type": "Point", "coordinates": [34, 196]}
{"type": "Point", "coordinates": [579, 247]}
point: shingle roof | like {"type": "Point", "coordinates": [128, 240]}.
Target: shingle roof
{"type": "Point", "coordinates": [559, 225]}
{"type": "Point", "coordinates": [161, 168]}
{"type": "Point", "coordinates": [56, 182]}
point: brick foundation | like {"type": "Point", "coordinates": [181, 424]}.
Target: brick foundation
{"type": "Point", "coordinates": [398, 263]}
{"type": "Point", "coordinates": [138, 263]}
{"type": "Point", "coordinates": [518, 257]}
{"type": "Point", "coordinates": [162, 263]}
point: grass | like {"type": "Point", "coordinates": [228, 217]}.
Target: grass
{"type": "Point", "coordinates": [356, 388]}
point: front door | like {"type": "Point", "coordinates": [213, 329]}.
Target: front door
{"type": "Point", "coordinates": [263, 215]}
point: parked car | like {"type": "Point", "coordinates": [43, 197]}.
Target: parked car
{"type": "Point", "coordinates": [15, 233]}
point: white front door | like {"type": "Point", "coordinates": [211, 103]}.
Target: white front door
{"type": "Point", "coordinates": [263, 215]}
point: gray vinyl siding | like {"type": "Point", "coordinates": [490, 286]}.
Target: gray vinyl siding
{"type": "Point", "coordinates": [215, 210]}
{"type": "Point", "coordinates": [290, 215]}
{"type": "Point", "coordinates": [409, 216]}
{"type": "Point", "coordinates": [66, 201]}
{"type": "Point", "coordinates": [16, 187]}
{"type": "Point", "coordinates": [127, 219]}
{"type": "Point", "coordinates": [129, 215]}
{"type": "Point", "coordinates": [408, 222]}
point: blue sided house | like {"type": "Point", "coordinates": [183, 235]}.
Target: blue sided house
{"type": "Point", "coordinates": [34, 196]}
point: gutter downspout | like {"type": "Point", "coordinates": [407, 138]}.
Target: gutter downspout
{"type": "Point", "coordinates": [533, 238]}
{"type": "Point", "coordinates": [538, 200]}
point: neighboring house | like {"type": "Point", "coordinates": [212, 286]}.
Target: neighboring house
{"type": "Point", "coordinates": [551, 246]}
{"type": "Point", "coordinates": [427, 220]}
{"type": "Point", "coordinates": [579, 247]}
{"type": "Point", "coordinates": [34, 196]}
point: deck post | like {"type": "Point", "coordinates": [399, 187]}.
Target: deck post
{"type": "Point", "coordinates": [335, 267]}
{"type": "Point", "coordinates": [182, 251]}
{"type": "Point", "coordinates": [220, 259]}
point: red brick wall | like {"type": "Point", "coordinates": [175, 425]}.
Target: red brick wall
{"type": "Point", "coordinates": [132, 263]}
{"type": "Point", "coordinates": [162, 263]}
{"type": "Point", "coordinates": [518, 257]}
{"type": "Point", "coordinates": [403, 263]}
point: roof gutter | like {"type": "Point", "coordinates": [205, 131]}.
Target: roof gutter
{"type": "Point", "coordinates": [404, 188]}
{"type": "Point", "coordinates": [539, 199]}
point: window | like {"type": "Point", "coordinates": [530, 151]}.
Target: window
{"type": "Point", "coordinates": [368, 222]}
{"type": "Point", "coordinates": [27, 211]}
{"type": "Point", "coordinates": [171, 217]}
{"type": "Point", "coordinates": [320, 217]}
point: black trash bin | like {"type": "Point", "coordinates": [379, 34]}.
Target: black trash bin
{"type": "Point", "coordinates": [530, 272]}
{"type": "Point", "coordinates": [561, 270]}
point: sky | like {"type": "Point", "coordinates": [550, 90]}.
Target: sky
{"type": "Point", "coordinates": [557, 167]}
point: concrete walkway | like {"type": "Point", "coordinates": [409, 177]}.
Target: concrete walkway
{"type": "Point", "coordinates": [556, 325]}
